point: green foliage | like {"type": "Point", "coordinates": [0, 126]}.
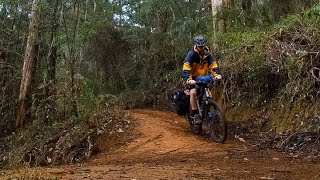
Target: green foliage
{"type": "Point", "coordinates": [288, 21]}
{"type": "Point", "coordinates": [138, 56]}
{"type": "Point", "coordinates": [261, 14]}
{"type": "Point", "coordinates": [243, 64]}
{"type": "Point", "coordinates": [89, 100]}
{"type": "Point", "coordinates": [313, 14]}
{"type": "Point", "coordinates": [260, 65]}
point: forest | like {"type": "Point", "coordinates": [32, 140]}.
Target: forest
{"type": "Point", "coordinates": [71, 69]}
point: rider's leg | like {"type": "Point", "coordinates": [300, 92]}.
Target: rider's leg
{"type": "Point", "coordinates": [193, 103]}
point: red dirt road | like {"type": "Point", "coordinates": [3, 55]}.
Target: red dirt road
{"type": "Point", "coordinates": [163, 147]}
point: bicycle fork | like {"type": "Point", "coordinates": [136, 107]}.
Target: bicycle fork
{"type": "Point", "coordinates": [206, 95]}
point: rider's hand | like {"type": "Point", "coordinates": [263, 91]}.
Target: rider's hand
{"type": "Point", "coordinates": [218, 77]}
{"type": "Point", "coordinates": [191, 82]}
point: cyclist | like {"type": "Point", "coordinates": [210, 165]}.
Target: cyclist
{"type": "Point", "coordinates": [198, 62]}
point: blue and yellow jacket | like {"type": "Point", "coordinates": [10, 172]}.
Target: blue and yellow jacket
{"type": "Point", "coordinates": [196, 64]}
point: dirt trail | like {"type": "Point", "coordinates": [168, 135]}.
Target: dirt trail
{"type": "Point", "coordinates": [166, 149]}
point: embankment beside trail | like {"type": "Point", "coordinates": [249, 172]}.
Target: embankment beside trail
{"type": "Point", "coordinates": [273, 77]}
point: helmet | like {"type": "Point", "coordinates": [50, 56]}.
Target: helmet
{"type": "Point", "coordinates": [200, 40]}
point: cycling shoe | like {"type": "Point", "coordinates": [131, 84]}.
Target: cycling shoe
{"type": "Point", "coordinates": [196, 119]}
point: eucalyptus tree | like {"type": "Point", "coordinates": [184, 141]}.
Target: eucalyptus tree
{"type": "Point", "coordinates": [28, 66]}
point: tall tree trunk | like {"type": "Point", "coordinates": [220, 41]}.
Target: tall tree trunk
{"type": "Point", "coordinates": [220, 26]}
{"type": "Point", "coordinates": [228, 4]}
{"type": "Point", "coordinates": [3, 67]}
{"type": "Point", "coordinates": [216, 6]}
{"type": "Point", "coordinates": [28, 66]}
{"type": "Point", "coordinates": [52, 54]}
{"type": "Point", "coordinates": [3, 79]}
{"type": "Point", "coordinates": [227, 20]}
{"type": "Point", "coordinates": [247, 6]}
{"type": "Point", "coordinates": [50, 79]}
{"type": "Point", "coordinates": [75, 60]}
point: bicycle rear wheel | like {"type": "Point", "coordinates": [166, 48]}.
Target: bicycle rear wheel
{"type": "Point", "coordinates": [217, 122]}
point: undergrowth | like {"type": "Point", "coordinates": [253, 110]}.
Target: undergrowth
{"type": "Point", "coordinates": [275, 71]}
{"type": "Point", "coordinates": [62, 142]}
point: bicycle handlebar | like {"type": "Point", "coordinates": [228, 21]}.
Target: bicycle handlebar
{"type": "Point", "coordinates": [205, 79]}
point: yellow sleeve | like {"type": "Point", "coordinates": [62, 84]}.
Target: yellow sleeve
{"type": "Point", "coordinates": [186, 71]}
{"type": "Point", "coordinates": [214, 67]}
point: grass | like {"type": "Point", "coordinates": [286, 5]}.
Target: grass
{"type": "Point", "coordinates": [26, 174]}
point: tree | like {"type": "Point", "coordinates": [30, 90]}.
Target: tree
{"type": "Point", "coordinates": [247, 7]}
{"type": "Point", "coordinates": [228, 4]}
{"type": "Point", "coordinates": [28, 66]}
{"type": "Point", "coordinates": [217, 26]}
{"type": "Point", "coordinates": [52, 53]}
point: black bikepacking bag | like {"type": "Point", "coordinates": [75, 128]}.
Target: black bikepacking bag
{"type": "Point", "coordinates": [181, 102]}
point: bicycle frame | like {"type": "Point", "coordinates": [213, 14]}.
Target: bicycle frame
{"type": "Point", "coordinates": [202, 100]}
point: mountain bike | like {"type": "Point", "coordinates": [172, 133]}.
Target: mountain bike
{"type": "Point", "coordinates": [210, 112]}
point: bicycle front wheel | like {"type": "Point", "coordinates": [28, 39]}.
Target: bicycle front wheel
{"type": "Point", "coordinates": [216, 122]}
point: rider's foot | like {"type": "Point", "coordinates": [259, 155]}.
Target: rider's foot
{"type": "Point", "coordinates": [194, 112]}
{"type": "Point", "coordinates": [196, 118]}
